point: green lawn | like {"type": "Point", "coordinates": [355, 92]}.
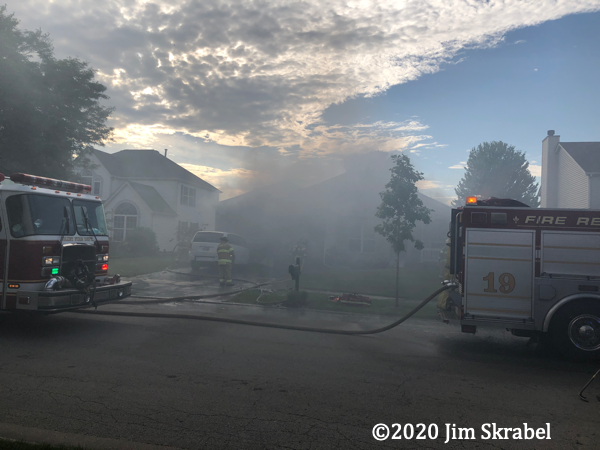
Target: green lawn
{"type": "Point", "coordinates": [140, 265]}
{"type": "Point", "coordinates": [416, 281]}
{"type": "Point", "coordinates": [317, 301]}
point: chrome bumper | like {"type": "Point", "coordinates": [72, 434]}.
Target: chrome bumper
{"type": "Point", "coordinates": [69, 299]}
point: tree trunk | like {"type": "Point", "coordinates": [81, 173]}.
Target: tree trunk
{"type": "Point", "coordinates": [397, 275]}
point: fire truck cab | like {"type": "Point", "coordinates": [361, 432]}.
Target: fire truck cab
{"type": "Point", "coordinates": [53, 247]}
{"type": "Point", "coordinates": [531, 271]}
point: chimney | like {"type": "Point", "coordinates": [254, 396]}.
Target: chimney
{"type": "Point", "coordinates": [549, 197]}
{"type": "Point", "coordinates": [166, 149]}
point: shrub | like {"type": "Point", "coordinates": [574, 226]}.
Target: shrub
{"type": "Point", "coordinates": [141, 241]}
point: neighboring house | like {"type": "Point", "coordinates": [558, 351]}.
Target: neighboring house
{"type": "Point", "coordinates": [336, 217]}
{"type": "Point", "coordinates": [142, 188]}
{"type": "Point", "coordinates": [570, 173]}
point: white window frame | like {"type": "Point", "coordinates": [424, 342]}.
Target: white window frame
{"type": "Point", "coordinates": [125, 217]}
{"type": "Point", "coordinates": [187, 196]}
{"type": "Point", "coordinates": [95, 182]}
{"type": "Point", "coordinates": [362, 240]}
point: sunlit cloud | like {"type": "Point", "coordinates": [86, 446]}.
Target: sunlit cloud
{"type": "Point", "coordinates": [261, 73]}
{"type": "Point", "coordinates": [428, 184]}
{"type": "Point", "coordinates": [222, 179]}
{"type": "Point", "coordinates": [535, 170]}
{"type": "Point", "coordinates": [460, 165]}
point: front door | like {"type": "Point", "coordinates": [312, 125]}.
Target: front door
{"type": "Point", "coordinates": [499, 268]}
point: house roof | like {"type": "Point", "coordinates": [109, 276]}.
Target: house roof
{"type": "Point", "coordinates": [132, 164]}
{"type": "Point", "coordinates": [586, 154]}
{"type": "Point", "coordinates": [279, 190]}
{"type": "Point", "coordinates": [152, 198]}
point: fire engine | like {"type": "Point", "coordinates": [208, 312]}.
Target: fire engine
{"type": "Point", "coordinates": [535, 272]}
{"type": "Point", "coordinates": [53, 247]}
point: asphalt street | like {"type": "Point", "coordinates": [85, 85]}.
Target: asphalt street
{"type": "Point", "coordinates": [207, 385]}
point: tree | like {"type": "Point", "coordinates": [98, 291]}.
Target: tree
{"type": "Point", "coordinates": [401, 208]}
{"type": "Point", "coordinates": [50, 109]}
{"type": "Point", "coordinates": [495, 169]}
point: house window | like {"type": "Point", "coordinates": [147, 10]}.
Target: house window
{"type": "Point", "coordinates": [125, 219]}
{"type": "Point", "coordinates": [188, 196]}
{"type": "Point", "coordinates": [95, 182]}
{"type": "Point", "coordinates": [361, 237]}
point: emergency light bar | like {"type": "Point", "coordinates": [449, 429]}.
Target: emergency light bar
{"type": "Point", "coordinates": [23, 178]}
{"type": "Point", "coordinates": [471, 200]}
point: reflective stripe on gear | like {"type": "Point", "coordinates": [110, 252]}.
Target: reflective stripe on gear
{"type": "Point", "coordinates": [225, 253]}
{"type": "Point", "coordinates": [225, 273]}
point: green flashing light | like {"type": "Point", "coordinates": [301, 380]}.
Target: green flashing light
{"type": "Point", "coordinates": [55, 271]}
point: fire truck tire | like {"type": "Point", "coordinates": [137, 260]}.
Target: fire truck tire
{"type": "Point", "coordinates": [575, 330]}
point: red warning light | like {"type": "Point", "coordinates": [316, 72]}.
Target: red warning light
{"type": "Point", "coordinates": [23, 178]}
{"type": "Point", "coordinates": [104, 267]}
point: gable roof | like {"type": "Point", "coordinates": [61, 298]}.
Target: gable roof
{"type": "Point", "coordinates": [152, 198]}
{"type": "Point", "coordinates": [132, 164]}
{"type": "Point", "coordinates": [279, 190]}
{"type": "Point", "coordinates": [586, 154]}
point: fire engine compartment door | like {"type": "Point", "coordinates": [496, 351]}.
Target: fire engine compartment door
{"type": "Point", "coordinates": [499, 268]}
{"type": "Point", "coordinates": [571, 253]}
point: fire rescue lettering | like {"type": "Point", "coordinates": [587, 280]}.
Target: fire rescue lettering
{"type": "Point", "coordinates": [552, 220]}
{"type": "Point", "coordinates": [586, 221]}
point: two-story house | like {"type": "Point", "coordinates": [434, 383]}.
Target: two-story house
{"type": "Point", "coordinates": [335, 217]}
{"type": "Point", "coordinates": [143, 188]}
{"type": "Point", "coordinates": [570, 173]}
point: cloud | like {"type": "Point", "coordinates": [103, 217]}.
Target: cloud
{"type": "Point", "coordinates": [428, 184]}
{"type": "Point", "coordinates": [536, 170]}
{"type": "Point", "coordinates": [260, 73]}
{"type": "Point", "coordinates": [221, 179]}
{"type": "Point", "coordinates": [460, 165]}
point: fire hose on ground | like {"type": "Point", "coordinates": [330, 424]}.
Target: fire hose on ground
{"type": "Point", "coordinates": [264, 324]}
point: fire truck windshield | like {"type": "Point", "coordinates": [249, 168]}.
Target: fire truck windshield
{"type": "Point", "coordinates": [90, 218]}
{"type": "Point", "coordinates": [33, 214]}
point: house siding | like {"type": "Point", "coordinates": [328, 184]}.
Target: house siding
{"type": "Point", "coordinates": [572, 183]}
{"type": "Point", "coordinates": [114, 191]}
{"type": "Point", "coordinates": [101, 173]}
{"type": "Point", "coordinates": [549, 172]}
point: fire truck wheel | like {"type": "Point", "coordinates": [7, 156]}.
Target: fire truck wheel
{"type": "Point", "coordinates": [575, 330]}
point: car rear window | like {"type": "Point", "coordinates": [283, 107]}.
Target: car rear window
{"type": "Point", "coordinates": [212, 237]}
{"type": "Point", "coordinates": [208, 237]}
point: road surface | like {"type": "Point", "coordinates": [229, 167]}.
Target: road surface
{"type": "Point", "coordinates": [206, 385]}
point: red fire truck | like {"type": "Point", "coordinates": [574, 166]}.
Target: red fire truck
{"type": "Point", "coordinates": [535, 272]}
{"type": "Point", "coordinates": [53, 247]}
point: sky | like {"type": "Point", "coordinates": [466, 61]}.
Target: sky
{"type": "Point", "coordinates": [248, 93]}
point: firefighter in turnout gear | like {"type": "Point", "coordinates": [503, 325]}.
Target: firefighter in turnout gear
{"type": "Point", "coordinates": [226, 258]}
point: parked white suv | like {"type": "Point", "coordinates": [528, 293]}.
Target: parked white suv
{"type": "Point", "coordinates": [203, 249]}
